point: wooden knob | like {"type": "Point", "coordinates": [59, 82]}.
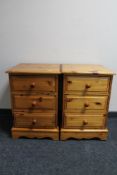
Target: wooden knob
{"type": "Point", "coordinates": [98, 103]}
{"type": "Point", "coordinates": [86, 105]}
{"type": "Point", "coordinates": [32, 85]}
{"type": "Point", "coordinates": [34, 121]}
{"type": "Point", "coordinates": [34, 103]}
{"type": "Point", "coordinates": [40, 99]}
{"type": "Point", "coordinates": [85, 122]}
{"type": "Point", "coordinates": [69, 82]}
{"type": "Point", "coordinates": [87, 86]}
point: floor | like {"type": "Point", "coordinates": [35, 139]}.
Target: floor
{"type": "Point", "coordinates": [46, 157]}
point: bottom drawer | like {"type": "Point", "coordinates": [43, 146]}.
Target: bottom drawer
{"type": "Point", "coordinates": [34, 120]}
{"type": "Point", "coordinates": [84, 121]}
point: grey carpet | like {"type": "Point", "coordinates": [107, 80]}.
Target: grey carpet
{"type": "Point", "coordinates": [47, 157]}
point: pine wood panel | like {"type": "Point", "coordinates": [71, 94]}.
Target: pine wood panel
{"type": "Point", "coordinates": [65, 134]}
{"type": "Point", "coordinates": [33, 83]}
{"type": "Point", "coordinates": [36, 133]}
{"type": "Point", "coordinates": [34, 102]}
{"type": "Point", "coordinates": [34, 120]}
{"type": "Point", "coordinates": [31, 68]}
{"type": "Point", "coordinates": [88, 69]}
{"type": "Point", "coordinates": [72, 102]}
{"type": "Point", "coordinates": [86, 84]}
{"type": "Point", "coordinates": [84, 121]}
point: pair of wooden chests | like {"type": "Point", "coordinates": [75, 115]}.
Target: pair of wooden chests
{"type": "Point", "coordinates": [60, 101]}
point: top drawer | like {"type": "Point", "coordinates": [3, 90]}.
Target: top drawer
{"type": "Point", "coordinates": [86, 84]}
{"type": "Point", "coordinates": [33, 83]}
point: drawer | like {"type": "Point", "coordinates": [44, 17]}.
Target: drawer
{"type": "Point", "coordinates": [86, 84]}
{"type": "Point", "coordinates": [84, 121]}
{"type": "Point", "coordinates": [34, 102]}
{"type": "Point", "coordinates": [34, 120]}
{"type": "Point", "coordinates": [33, 83]}
{"type": "Point", "coordinates": [86, 103]}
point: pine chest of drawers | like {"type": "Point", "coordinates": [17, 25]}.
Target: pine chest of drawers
{"type": "Point", "coordinates": [34, 96]}
{"type": "Point", "coordinates": [86, 94]}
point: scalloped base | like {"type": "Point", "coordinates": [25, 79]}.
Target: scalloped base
{"type": "Point", "coordinates": [35, 133]}
{"type": "Point", "coordinates": [65, 134]}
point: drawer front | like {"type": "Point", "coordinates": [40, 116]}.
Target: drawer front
{"type": "Point", "coordinates": [34, 102]}
{"type": "Point", "coordinates": [86, 84]}
{"type": "Point", "coordinates": [86, 103]}
{"type": "Point", "coordinates": [84, 121]}
{"type": "Point", "coordinates": [34, 120]}
{"type": "Point", "coordinates": [33, 83]}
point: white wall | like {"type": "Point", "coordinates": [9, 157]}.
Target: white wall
{"type": "Point", "coordinates": [57, 31]}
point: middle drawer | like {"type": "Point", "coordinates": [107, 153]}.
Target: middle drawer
{"type": "Point", "coordinates": [85, 104]}
{"type": "Point", "coordinates": [34, 102]}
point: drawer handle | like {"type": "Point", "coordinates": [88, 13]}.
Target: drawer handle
{"type": "Point", "coordinates": [87, 86]}
{"type": "Point", "coordinates": [69, 82]}
{"type": "Point", "coordinates": [34, 121]}
{"type": "Point", "coordinates": [40, 99]}
{"type": "Point", "coordinates": [34, 103]}
{"type": "Point", "coordinates": [85, 122]}
{"type": "Point", "coordinates": [98, 103]}
{"type": "Point", "coordinates": [86, 105]}
{"type": "Point", "coordinates": [32, 85]}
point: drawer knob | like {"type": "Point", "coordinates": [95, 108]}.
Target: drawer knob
{"type": "Point", "coordinates": [34, 103]}
{"type": "Point", "coordinates": [69, 81]}
{"type": "Point", "coordinates": [98, 103]}
{"type": "Point", "coordinates": [40, 99]}
{"type": "Point", "coordinates": [87, 86]}
{"type": "Point", "coordinates": [86, 105]}
{"type": "Point", "coordinates": [85, 122]}
{"type": "Point", "coordinates": [32, 85]}
{"type": "Point", "coordinates": [34, 121]}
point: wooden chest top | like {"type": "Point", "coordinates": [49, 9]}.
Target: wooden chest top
{"type": "Point", "coordinates": [35, 69]}
{"type": "Point", "coordinates": [85, 69]}
{"type": "Point", "coordinates": [31, 68]}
